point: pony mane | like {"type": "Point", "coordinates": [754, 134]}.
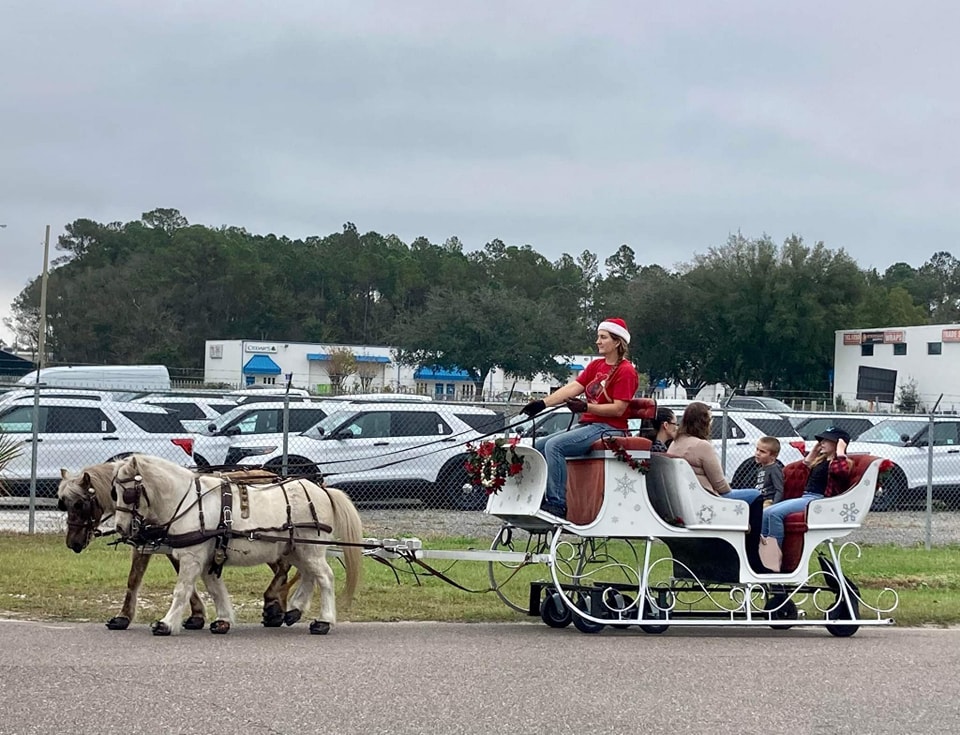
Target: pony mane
{"type": "Point", "coordinates": [101, 480]}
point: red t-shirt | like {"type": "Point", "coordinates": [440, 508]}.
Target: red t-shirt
{"type": "Point", "coordinates": [603, 383]}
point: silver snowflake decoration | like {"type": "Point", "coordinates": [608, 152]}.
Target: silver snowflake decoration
{"type": "Point", "coordinates": [637, 507]}
{"type": "Point", "coordinates": [625, 485]}
{"type": "Point", "coordinates": [817, 509]}
{"type": "Point", "coordinates": [740, 509]}
{"type": "Point", "coordinates": [706, 514]}
{"type": "Point", "coordinates": [529, 498]}
{"type": "Point", "coordinates": [849, 512]}
{"type": "Point", "coordinates": [615, 519]}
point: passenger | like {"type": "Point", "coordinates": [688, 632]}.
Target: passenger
{"type": "Point", "coordinates": [608, 384]}
{"type": "Point", "coordinates": [829, 475]}
{"type": "Point", "coordinates": [693, 444]}
{"type": "Point", "coordinates": [665, 429]}
{"type": "Point", "coordinates": [770, 474]}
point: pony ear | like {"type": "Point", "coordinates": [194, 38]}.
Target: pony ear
{"type": "Point", "coordinates": [63, 474]}
{"type": "Point", "coordinates": [85, 481]}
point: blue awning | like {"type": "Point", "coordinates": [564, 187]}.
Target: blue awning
{"type": "Point", "coordinates": [321, 356]}
{"type": "Point", "coordinates": [261, 365]}
{"type": "Point", "coordinates": [575, 366]}
{"type": "Point", "coordinates": [439, 375]}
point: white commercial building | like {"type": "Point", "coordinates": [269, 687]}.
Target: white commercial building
{"type": "Point", "coordinates": [871, 366]}
{"type": "Point", "coordinates": [241, 363]}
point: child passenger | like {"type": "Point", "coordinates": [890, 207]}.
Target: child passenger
{"type": "Point", "coordinates": [770, 475]}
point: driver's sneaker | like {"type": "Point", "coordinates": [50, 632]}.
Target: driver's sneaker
{"type": "Point", "coordinates": [560, 511]}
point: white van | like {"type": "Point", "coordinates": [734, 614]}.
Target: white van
{"type": "Point", "coordinates": [103, 377]}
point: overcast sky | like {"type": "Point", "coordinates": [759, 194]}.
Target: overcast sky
{"type": "Point", "coordinates": [568, 126]}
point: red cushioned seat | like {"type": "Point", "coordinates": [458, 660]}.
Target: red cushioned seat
{"type": "Point", "coordinates": [795, 524]}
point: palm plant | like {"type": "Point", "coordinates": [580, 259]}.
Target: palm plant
{"type": "Point", "coordinates": [9, 450]}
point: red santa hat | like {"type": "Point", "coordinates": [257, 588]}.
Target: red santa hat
{"type": "Point", "coordinates": [616, 327]}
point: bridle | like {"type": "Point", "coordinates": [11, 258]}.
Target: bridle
{"type": "Point", "coordinates": [132, 490]}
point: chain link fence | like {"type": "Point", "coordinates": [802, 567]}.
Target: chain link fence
{"type": "Point", "coordinates": [402, 459]}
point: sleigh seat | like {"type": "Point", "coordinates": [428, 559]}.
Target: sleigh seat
{"type": "Point", "coordinates": [585, 476]}
{"type": "Point", "coordinates": [795, 524]}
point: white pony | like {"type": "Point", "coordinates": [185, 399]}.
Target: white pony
{"type": "Point", "coordinates": [86, 498]}
{"type": "Point", "coordinates": [210, 522]}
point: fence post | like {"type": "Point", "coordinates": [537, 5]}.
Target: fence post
{"type": "Point", "coordinates": [929, 543]}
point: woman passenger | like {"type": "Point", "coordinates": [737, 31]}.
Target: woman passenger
{"type": "Point", "coordinates": [665, 429]}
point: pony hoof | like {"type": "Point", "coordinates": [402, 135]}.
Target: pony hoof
{"type": "Point", "coordinates": [220, 627]}
{"type": "Point", "coordinates": [118, 623]}
{"type": "Point", "coordinates": [161, 628]}
{"type": "Point", "coordinates": [194, 622]}
{"type": "Point", "coordinates": [319, 627]}
{"type": "Point", "coordinates": [272, 615]}
{"type": "Point", "coordinates": [291, 616]}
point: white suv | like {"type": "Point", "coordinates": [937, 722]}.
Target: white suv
{"type": "Point", "coordinates": [77, 432]}
{"type": "Point", "coordinates": [261, 419]}
{"type": "Point", "coordinates": [906, 441]}
{"type": "Point", "coordinates": [385, 451]}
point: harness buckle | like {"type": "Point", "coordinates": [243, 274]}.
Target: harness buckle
{"type": "Point", "coordinates": [227, 516]}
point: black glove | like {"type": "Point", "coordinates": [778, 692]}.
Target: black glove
{"type": "Point", "coordinates": [533, 408]}
{"type": "Point", "coordinates": [576, 405]}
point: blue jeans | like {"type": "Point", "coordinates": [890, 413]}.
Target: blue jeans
{"type": "Point", "coordinates": [748, 494]}
{"type": "Point", "coordinates": [774, 515]}
{"type": "Point", "coordinates": [557, 447]}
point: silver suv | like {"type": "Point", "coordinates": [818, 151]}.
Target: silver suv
{"type": "Point", "coordinates": [385, 451]}
{"type": "Point", "coordinates": [265, 418]}
{"type": "Point", "coordinates": [76, 432]}
{"type": "Point", "coordinates": [906, 441]}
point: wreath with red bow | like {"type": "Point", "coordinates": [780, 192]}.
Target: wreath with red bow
{"type": "Point", "coordinates": [490, 463]}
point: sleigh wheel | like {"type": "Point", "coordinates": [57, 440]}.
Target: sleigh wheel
{"type": "Point", "coordinates": [649, 611]}
{"type": "Point", "coordinates": [584, 603]}
{"type": "Point", "coordinates": [554, 611]}
{"type": "Point", "coordinates": [839, 611]}
{"type": "Point", "coordinates": [779, 607]}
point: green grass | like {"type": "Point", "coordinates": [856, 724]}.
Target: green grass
{"type": "Point", "coordinates": [41, 579]}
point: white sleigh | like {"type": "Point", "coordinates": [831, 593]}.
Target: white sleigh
{"type": "Point", "coordinates": [707, 537]}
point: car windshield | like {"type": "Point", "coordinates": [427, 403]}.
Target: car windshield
{"type": "Point", "coordinates": [892, 431]}
{"type": "Point", "coordinates": [332, 422]}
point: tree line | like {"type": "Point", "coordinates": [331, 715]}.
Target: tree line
{"type": "Point", "coordinates": [154, 289]}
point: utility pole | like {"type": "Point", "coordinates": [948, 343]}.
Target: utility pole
{"type": "Point", "coordinates": [42, 337]}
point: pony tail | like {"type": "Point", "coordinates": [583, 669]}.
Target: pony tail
{"type": "Point", "coordinates": [349, 528]}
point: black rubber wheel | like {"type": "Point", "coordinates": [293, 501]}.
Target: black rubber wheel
{"type": "Point", "coordinates": [584, 603]}
{"type": "Point", "coordinates": [554, 611]}
{"type": "Point", "coordinates": [839, 612]}
{"type": "Point", "coordinates": [893, 492]}
{"type": "Point", "coordinates": [780, 607]}
{"type": "Point", "coordinates": [619, 606]}
{"type": "Point", "coordinates": [650, 612]}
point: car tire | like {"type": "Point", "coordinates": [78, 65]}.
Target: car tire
{"type": "Point", "coordinates": [892, 494]}
{"type": "Point", "coordinates": [296, 467]}
{"type": "Point", "coordinates": [450, 487]}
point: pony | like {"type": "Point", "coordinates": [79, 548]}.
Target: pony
{"type": "Point", "coordinates": [292, 521]}
{"type": "Point", "coordinates": [86, 498]}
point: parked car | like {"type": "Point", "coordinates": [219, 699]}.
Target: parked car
{"type": "Point", "coordinates": [907, 441]}
{"type": "Point", "coordinates": [853, 423]}
{"type": "Point", "coordinates": [385, 451]}
{"type": "Point", "coordinates": [76, 432]}
{"type": "Point", "coordinates": [263, 419]}
{"type": "Point", "coordinates": [757, 403]}
{"type": "Point", "coordinates": [190, 408]}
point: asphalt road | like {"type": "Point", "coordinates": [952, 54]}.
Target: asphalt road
{"type": "Point", "coordinates": [400, 678]}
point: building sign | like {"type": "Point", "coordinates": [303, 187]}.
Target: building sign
{"type": "Point", "coordinates": [216, 352]}
{"type": "Point", "coordinates": [871, 338]}
{"type": "Point", "coordinates": [950, 335]}
{"type": "Point", "coordinates": [851, 338]}
{"type": "Point", "coordinates": [893, 338]}
{"type": "Point", "coordinates": [261, 348]}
